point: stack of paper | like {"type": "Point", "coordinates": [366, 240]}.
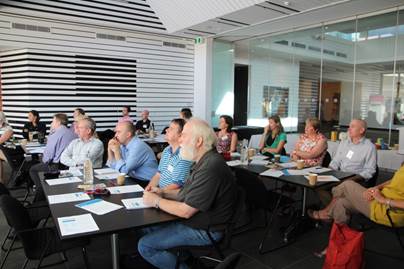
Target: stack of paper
{"type": "Point", "coordinates": [134, 203]}
{"type": "Point", "coordinates": [259, 162]}
{"type": "Point", "coordinates": [106, 173]}
{"type": "Point", "coordinates": [68, 197]}
{"type": "Point", "coordinates": [99, 206]}
{"type": "Point", "coordinates": [272, 173]}
{"type": "Point", "coordinates": [77, 224]}
{"type": "Point", "coordinates": [234, 163]}
{"type": "Point", "coordinates": [63, 180]}
{"type": "Point", "coordinates": [319, 170]}
{"type": "Point", "coordinates": [125, 189]}
{"type": "Point", "coordinates": [296, 172]}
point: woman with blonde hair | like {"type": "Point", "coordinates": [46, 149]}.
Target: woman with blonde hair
{"type": "Point", "coordinates": [273, 139]}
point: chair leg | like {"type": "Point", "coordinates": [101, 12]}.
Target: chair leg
{"type": "Point", "coordinates": [5, 240]}
{"type": "Point", "coordinates": [25, 264]}
{"type": "Point", "coordinates": [86, 264]}
{"type": "Point", "coordinates": [8, 252]}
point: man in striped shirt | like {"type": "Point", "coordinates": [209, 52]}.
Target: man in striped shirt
{"type": "Point", "coordinates": [172, 171]}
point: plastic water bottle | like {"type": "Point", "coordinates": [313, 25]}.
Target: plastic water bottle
{"type": "Point", "coordinates": [88, 173]}
{"type": "Point", "coordinates": [151, 132]}
{"type": "Point", "coordinates": [244, 152]}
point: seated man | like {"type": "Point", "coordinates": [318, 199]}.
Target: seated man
{"type": "Point", "coordinates": [349, 197]}
{"type": "Point", "coordinates": [172, 171]}
{"type": "Point", "coordinates": [130, 155]}
{"type": "Point", "coordinates": [125, 115]}
{"type": "Point", "coordinates": [84, 147]}
{"type": "Point", "coordinates": [59, 138]}
{"type": "Point", "coordinates": [208, 197]}
{"type": "Point", "coordinates": [143, 125]}
{"type": "Point", "coordinates": [356, 154]}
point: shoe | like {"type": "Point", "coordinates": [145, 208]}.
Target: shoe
{"type": "Point", "coordinates": [315, 215]}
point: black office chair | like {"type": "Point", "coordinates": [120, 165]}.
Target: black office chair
{"type": "Point", "coordinates": [326, 159]}
{"type": "Point", "coordinates": [230, 262]}
{"type": "Point", "coordinates": [38, 243]}
{"type": "Point", "coordinates": [105, 136]}
{"type": "Point", "coordinates": [260, 198]}
{"type": "Point", "coordinates": [216, 248]}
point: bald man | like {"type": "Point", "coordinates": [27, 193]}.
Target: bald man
{"type": "Point", "coordinates": [356, 154]}
{"type": "Point", "coordinates": [129, 155]}
{"type": "Point", "coordinates": [143, 125]}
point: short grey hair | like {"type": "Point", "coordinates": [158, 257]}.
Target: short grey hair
{"type": "Point", "coordinates": [362, 122]}
{"type": "Point", "coordinates": [202, 129]}
{"type": "Point", "coordinates": [90, 124]}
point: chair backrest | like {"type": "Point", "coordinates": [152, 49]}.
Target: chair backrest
{"type": "Point", "coordinates": [4, 190]}
{"type": "Point", "coordinates": [230, 262]}
{"type": "Point", "coordinates": [292, 139]}
{"type": "Point", "coordinates": [14, 156]}
{"type": "Point", "coordinates": [254, 141]}
{"type": "Point", "coordinates": [255, 191]}
{"type": "Point", "coordinates": [326, 159]}
{"type": "Point", "coordinates": [16, 214]}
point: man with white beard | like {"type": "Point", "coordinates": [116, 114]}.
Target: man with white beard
{"type": "Point", "coordinates": [208, 197]}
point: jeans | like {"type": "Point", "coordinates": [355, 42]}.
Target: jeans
{"type": "Point", "coordinates": [153, 246]}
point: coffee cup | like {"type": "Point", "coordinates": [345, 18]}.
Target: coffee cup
{"type": "Point", "coordinates": [277, 158]}
{"type": "Point", "coordinates": [251, 152]}
{"type": "Point", "coordinates": [312, 179]}
{"type": "Point", "coordinates": [30, 136]}
{"type": "Point", "coordinates": [300, 164]}
{"type": "Point", "coordinates": [120, 180]}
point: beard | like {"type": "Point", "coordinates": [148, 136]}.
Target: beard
{"type": "Point", "coordinates": [188, 152]}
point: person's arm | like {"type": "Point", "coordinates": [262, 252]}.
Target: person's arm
{"type": "Point", "coordinates": [132, 160]}
{"type": "Point", "coordinates": [154, 182]}
{"type": "Point", "coordinates": [176, 208]}
{"type": "Point", "coordinates": [66, 157]}
{"type": "Point", "coordinates": [369, 167]}
{"type": "Point", "coordinates": [6, 136]}
{"type": "Point", "coordinates": [336, 161]}
{"type": "Point", "coordinates": [96, 151]}
{"type": "Point", "coordinates": [264, 136]}
{"type": "Point", "coordinates": [234, 140]}
{"type": "Point", "coordinates": [316, 151]}
{"type": "Point", "coordinates": [395, 203]}
{"type": "Point", "coordinates": [280, 146]}
{"type": "Point", "coordinates": [172, 186]}
{"type": "Point", "coordinates": [51, 147]}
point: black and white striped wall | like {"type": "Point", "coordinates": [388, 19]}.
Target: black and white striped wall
{"type": "Point", "coordinates": [55, 66]}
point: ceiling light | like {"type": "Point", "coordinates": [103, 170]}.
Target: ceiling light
{"type": "Point", "coordinates": [286, 3]}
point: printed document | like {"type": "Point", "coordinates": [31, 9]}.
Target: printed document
{"type": "Point", "coordinates": [68, 197]}
{"type": "Point", "coordinates": [134, 203]}
{"type": "Point", "coordinates": [125, 189]}
{"type": "Point", "coordinates": [77, 224]}
{"type": "Point", "coordinates": [63, 180]}
{"type": "Point", "coordinates": [99, 206]}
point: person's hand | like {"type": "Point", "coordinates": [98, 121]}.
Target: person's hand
{"type": "Point", "coordinates": [157, 191]}
{"type": "Point", "coordinates": [148, 188]}
{"type": "Point", "coordinates": [113, 145]}
{"type": "Point", "coordinates": [294, 156]}
{"type": "Point", "coordinates": [367, 194]}
{"type": "Point", "coordinates": [150, 198]}
{"type": "Point", "coordinates": [267, 129]}
{"type": "Point", "coordinates": [378, 196]}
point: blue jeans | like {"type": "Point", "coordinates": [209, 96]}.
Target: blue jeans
{"type": "Point", "coordinates": [153, 246]}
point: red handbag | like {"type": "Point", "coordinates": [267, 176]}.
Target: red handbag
{"type": "Point", "coordinates": [345, 248]}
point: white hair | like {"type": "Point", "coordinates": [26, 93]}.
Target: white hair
{"type": "Point", "coordinates": [3, 119]}
{"type": "Point", "coordinates": [202, 129]}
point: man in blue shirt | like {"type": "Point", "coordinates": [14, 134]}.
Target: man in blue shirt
{"type": "Point", "coordinates": [129, 155]}
{"type": "Point", "coordinates": [172, 171]}
{"type": "Point", "coordinates": [59, 138]}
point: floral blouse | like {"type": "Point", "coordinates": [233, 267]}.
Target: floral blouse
{"type": "Point", "coordinates": [224, 142]}
{"type": "Point", "coordinates": [307, 144]}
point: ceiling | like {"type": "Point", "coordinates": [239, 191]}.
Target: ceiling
{"type": "Point", "coordinates": [231, 20]}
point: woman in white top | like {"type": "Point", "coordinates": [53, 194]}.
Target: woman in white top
{"type": "Point", "coordinates": [6, 132]}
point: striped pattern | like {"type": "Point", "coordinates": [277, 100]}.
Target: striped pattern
{"type": "Point", "coordinates": [70, 66]}
{"type": "Point", "coordinates": [180, 168]}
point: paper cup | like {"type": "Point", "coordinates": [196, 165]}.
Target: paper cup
{"type": "Point", "coordinates": [251, 152]}
{"type": "Point", "coordinates": [300, 164]}
{"type": "Point", "coordinates": [277, 158]}
{"type": "Point", "coordinates": [120, 180]}
{"type": "Point", "coordinates": [312, 179]}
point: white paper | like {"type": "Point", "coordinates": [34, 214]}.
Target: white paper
{"type": "Point", "coordinates": [73, 171]}
{"type": "Point", "coordinates": [77, 224]}
{"type": "Point", "coordinates": [326, 178]}
{"type": "Point", "coordinates": [287, 165]}
{"type": "Point", "coordinates": [107, 176]}
{"type": "Point", "coordinates": [319, 170]}
{"type": "Point", "coordinates": [105, 171]}
{"type": "Point", "coordinates": [63, 180]}
{"type": "Point", "coordinates": [259, 157]}
{"type": "Point", "coordinates": [68, 197]}
{"type": "Point", "coordinates": [125, 189]}
{"type": "Point", "coordinates": [272, 173]}
{"type": "Point", "coordinates": [38, 150]}
{"type": "Point", "coordinates": [234, 163]}
{"type": "Point", "coordinates": [33, 144]}
{"type": "Point", "coordinates": [99, 206]}
{"type": "Point", "coordinates": [297, 172]}
{"type": "Point", "coordinates": [259, 162]}
{"type": "Point", "coordinates": [134, 203]}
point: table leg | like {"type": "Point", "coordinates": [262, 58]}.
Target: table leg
{"type": "Point", "coordinates": [115, 251]}
{"type": "Point", "coordinates": [304, 202]}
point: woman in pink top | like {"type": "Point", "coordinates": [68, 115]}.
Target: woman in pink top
{"type": "Point", "coordinates": [226, 139]}
{"type": "Point", "coordinates": [312, 145]}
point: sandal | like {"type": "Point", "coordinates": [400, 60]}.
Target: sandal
{"type": "Point", "coordinates": [313, 214]}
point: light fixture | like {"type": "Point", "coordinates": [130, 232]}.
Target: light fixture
{"type": "Point", "coordinates": [286, 3]}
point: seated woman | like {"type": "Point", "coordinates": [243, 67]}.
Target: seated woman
{"type": "Point", "coordinates": [227, 140]}
{"type": "Point", "coordinates": [273, 139]}
{"type": "Point", "coordinates": [34, 125]}
{"type": "Point", "coordinates": [312, 145]}
{"type": "Point", "coordinates": [350, 197]}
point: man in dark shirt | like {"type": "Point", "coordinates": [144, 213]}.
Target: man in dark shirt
{"type": "Point", "coordinates": [143, 125]}
{"type": "Point", "coordinates": [207, 198]}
